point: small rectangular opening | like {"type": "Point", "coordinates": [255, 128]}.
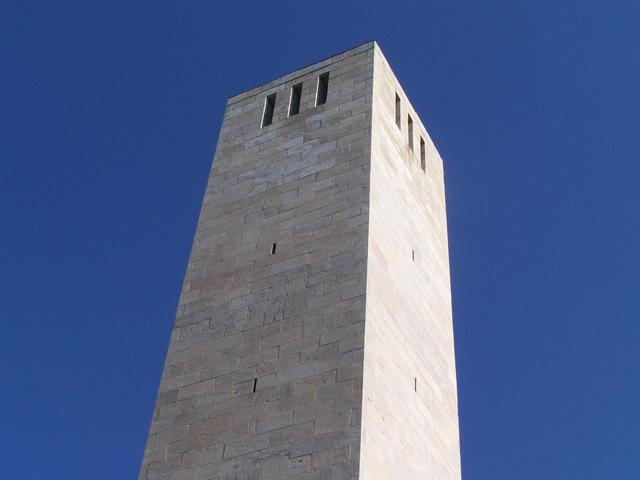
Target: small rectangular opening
{"type": "Point", "coordinates": [398, 113]}
{"type": "Point", "coordinates": [415, 384]}
{"type": "Point", "coordinates": [423, 159]}
{"type": "Point", "coordinates": [323, 88]}
{"type": "Point", "coordinates": [294, 102]}
{"type": "Point", "coordinates": [269, 105]}
{"type": "Point", "coordinates": [273, 249]}
{"type": "Point", "coordinates": [254, 384]}
{"type": "Point", "coordinates": [410, 131]}
{"type": "Point", "coordinates": [413, 255]}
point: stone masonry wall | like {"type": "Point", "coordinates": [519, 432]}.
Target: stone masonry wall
{"type": "Point", "coordinates": [410, 421]}
{"type": "Point", "coordinates": [291, 324]}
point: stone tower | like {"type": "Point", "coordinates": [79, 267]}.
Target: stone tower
{"type": "Point", "coordinates": [313, 338]}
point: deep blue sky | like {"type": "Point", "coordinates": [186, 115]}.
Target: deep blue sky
{"type": "Point", "coordinates": [109, 117]}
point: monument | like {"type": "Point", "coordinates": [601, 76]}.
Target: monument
{"type": "Point", "coordinates": [313, 338]}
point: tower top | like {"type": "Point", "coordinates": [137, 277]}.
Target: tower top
{"type": "Point", "coordinates": [302, 71]}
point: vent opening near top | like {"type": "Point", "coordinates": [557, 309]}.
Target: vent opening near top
{"type": "Point", "coordinates": [294, 102]}
{"type": "Point", "coordinates": [269, 105]}
{"type": "Point", "coordinates": [323, 88]}
{"type": "Point", "coordinates": [410, 131]}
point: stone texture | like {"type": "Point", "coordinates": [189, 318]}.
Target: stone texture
{"type": "Point", "coordinates": [270, 372]}
{"type": "Point", "coordinates": [409, 418]}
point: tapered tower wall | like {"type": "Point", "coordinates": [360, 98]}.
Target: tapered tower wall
{"type": "Point", "coordinates": [410, 420]}
{"type": "Point", "coordinates": [289, 325]}
{"type": "Point", "coordinates": [313, 338]}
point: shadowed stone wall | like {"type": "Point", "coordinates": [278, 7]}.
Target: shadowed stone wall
{"type": "Point", "coordinates": [291, 324]}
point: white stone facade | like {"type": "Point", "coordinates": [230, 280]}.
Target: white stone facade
{"type": "Point", "coordinates": [313, 339]}
{"type": "Point", "coordinates": [410, 416]}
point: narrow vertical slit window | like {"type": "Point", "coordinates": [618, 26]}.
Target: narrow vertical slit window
{"type": "Point", "coordinates": [267, 114]}
{"type": "Point", "coordinates": [294, 102]}
{"type": "Point", "coordinates": [323, 88]}
{"type": "Point", "coordinates": [423, 159]}
{"type": "Point", "coordinates": [398, 112]}
{"type": "Point", "coordinates": [413, 255]}
{"type": "Point", "coordinates": [273, 249]}
{"type": "Point", "coordinates": [410, 131]}
{"type": "Point", "coordinates": [254, 384]}
{"type": "Point", "coordinates": [415, 384]}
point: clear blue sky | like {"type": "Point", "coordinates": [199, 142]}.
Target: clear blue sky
{"type": "Point", "coordinates": [109, 117]}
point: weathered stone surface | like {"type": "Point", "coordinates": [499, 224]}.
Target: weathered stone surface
{"type": "Point", "coordinates": [301, 364]}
